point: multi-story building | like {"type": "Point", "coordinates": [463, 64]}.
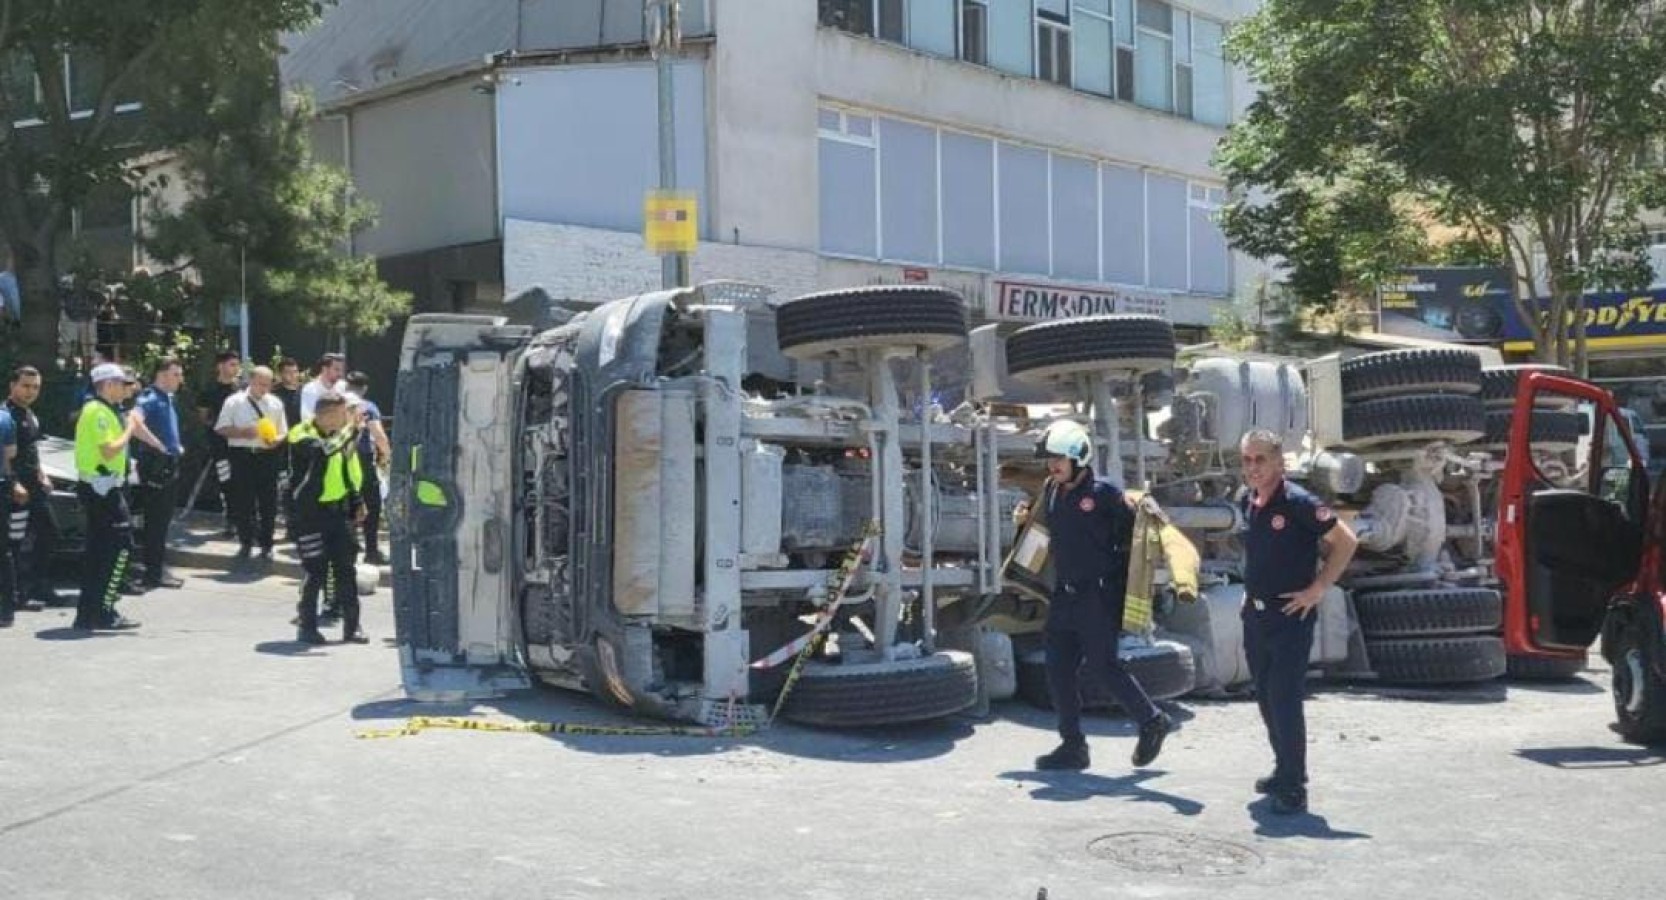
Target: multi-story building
{"type": "Point", "coordinates": [1044, 157]}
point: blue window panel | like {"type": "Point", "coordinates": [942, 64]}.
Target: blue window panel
{"type": "Point", "coordinates": [1166, 210]}
{"type": "Point", "coordinates": [848, 225]}
{"type": "Point", "coordinates": [1075, 218]}
{"type": "Point", "coordinates": [908, 191]}
{"type": "Point", "coordinates": [968, 201]}
{"type": "Point", "coordinates": [1023, 173]}
{"type": "Point", "coordinates": [1122, 209]}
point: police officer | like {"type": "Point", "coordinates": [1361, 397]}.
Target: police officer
{"type": "Point", "coordinates": [228, 367]}
{"type": "Point", "coordinates": [102, 436]}
{"type": "Point", "coordinates": [373, 453]}
{"type": "Point", "coordinates": [327, 487]}
{"type": "Point", "coordinates": [8, 575]}
{"type": "Point", "coordinates": [1092, 526]}
{"type": "Point", "coordinates": [32, 545]}
{"type": "Point", "coordinates": [1286, 526]}
{"type": "Point", "coordinates": [158, 468]}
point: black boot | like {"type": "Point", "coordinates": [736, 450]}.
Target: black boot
{"type": "Point", "coordinates": [1290, 802]}
{"type": "Point", "coordinates": [311, 636]}
{"type": "Point", "coordinates": [1266, 785]}
{"type": "Point", "coordinates": [1070, 756]}
{"type": "Point", "coordinates": [1151, 738]}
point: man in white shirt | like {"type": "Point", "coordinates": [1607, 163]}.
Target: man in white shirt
{"type": "Point", "coordinates": [326, 377]}
{"type": "Point", "coordinates": [252, 422]}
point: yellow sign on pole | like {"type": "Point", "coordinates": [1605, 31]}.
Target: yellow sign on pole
{"type": "Point", "coordinates": [669, 222]}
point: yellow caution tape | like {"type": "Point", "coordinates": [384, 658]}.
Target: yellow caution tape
{"type": "Point", "coordinates": [842, 579]}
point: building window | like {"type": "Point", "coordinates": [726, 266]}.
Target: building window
{"type": "Point", "coordinates": [1052, 37]}
{"type": "Point", "coordinates": [931, 26]}
{"type": "Point", "coordinates": [1211, 259]}
{"type": "Point", "coordinates": [849, 184]}
{"type": "Point", "coordinates": [974, 31]}
{"type": "Point", "coordinates": [1210, 103]}
{"type": "Point", "coordinates": [1012, 37]}
{"type": "Point", "coordinates": [891, 17]}
{"type": "Point", "coordinates": [854, 16]}
{"type": "Point", "coordinates": [908, 209]}
{"type": "Point", "coordinates": [1154, 56]}
{"type": "Point", "coordinates": [1092, 42]}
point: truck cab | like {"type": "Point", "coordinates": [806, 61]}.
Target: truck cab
{"type": "Point", "coordinates": [1580, 542]}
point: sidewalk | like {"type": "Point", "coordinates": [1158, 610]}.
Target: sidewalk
{"type": "Point", "coordinates": [197, 543]}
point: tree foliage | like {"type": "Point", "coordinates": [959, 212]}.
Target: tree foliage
{"type": "Point", "coordinates": [1524, 124]}
{"type": "Point", "coordinates": [202, 74]}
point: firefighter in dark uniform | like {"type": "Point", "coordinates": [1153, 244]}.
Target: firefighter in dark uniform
{"type": "Point", "coordinates": [328, 505]}
{"type": "Point", "coordinates": [1092, 527]}
{"type": "Point", "coordinates": [102, 435]}
{"type": "Point", "coordinates": [1285, 529]}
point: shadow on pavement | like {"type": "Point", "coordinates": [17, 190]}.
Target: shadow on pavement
{"type": "Point", "coordinates": [1095, 722]}
{"type": "Point", "coordinates": [1469, 694]}
{"type": "Point", "coordinates": [1576, 758]}
{"type": "Point", "coordinates": [72, 634]}
{"type": "Point", "coordinates": [1069, 787]}
{"type": "Point", "coordinates": [1307, 825]}
{"type": "Point", "coordinates": [870, 745]}
{"type": "Point", "coordinates": [289, 648]}
{"type": "Point", "coordinates": [1573, 686]}
{"type": "Point", "coordinates": [251, 572]}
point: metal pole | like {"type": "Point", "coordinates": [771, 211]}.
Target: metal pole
{"type": "Point", "coordinates": [243, 302]}
{"type": "Point", "coordinates": [665, 39]}
{"type": "Point", "coordinates": [928, 496]}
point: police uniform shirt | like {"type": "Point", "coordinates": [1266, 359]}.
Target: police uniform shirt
{"type": "Point", "coordinates": [1281, 541]}
{"type": "Point", "coordinates": [162, 419]}
{"type": "Point", "coordinates": [8, 438]}
{"type": "Point", "coordinates": [1091, 526]}
{"type": "Point", "coordinates": [26, 465]}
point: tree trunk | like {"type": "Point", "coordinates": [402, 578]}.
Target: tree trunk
{"type": "Point", "coordinates": [39, 328]}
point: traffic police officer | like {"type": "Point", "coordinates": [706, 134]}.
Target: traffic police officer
{"type": "Point", "coordinates": [1285, 528]}
{"type": "Point", "coordinates": [102, 435]}
{"type": "Point", "coordinates": [326, 490]}
{"type": "Point", "coordinates": [1092, 527]}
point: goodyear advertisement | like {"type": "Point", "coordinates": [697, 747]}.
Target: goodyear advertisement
{"type": "Point", "coordinates": [1448, 303]}
{"type": "Point", "coordinates": [1613, 321]}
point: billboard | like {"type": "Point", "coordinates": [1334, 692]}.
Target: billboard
{"type": "Point", "coordinates": [1031, 301]}
{"type": "Point", "coordinates": [1460, 304]}
{"type": "Point", "coordinates": [1613, 320]}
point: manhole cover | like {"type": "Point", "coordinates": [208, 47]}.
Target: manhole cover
{"type": "Point", "coordinates": [1175, 854]}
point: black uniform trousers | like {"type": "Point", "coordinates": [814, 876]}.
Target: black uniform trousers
{"type": "Point", "coordinates": [325, 541]}
{"type": "Point", "coordinates": [254, 495]}
{"type": "Point", "coordinates": [156, 503]}
{"type": "Point", "coordinates": [109, 545]}
{"type": "Point", "coordinates": [32, 550]}
{"type": "Point", "coordinates": [1278, 647]}
{"type": "Point", "coordinates": [1084, 623]}
{"type": "Point", "coordinates": [8, 570]}
{"type": "Point", "coordinates": [371, 492]}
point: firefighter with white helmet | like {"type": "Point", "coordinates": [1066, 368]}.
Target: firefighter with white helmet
{"type": "Point", "coordinates": [1092, 526]}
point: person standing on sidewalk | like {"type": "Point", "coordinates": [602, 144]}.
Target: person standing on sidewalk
{"type": "Point", "coordinates": [8, 574]}
{"type": "Point", "coordinates": [328, 504]}
{"type": "Point", "coordinates": [158, 469]}
{"type": "Point", "coordinates": [326, 375]}
{"type": "Point", "coordinates": [288, 392]}
{"type": "Point", "coordinates": [252, 422]}
{"type": "Point", "coordinates": [374, 453]}
{"type": "Point", "coordinates": [1286, 529]}
{"type": "Point", "coordinates": [32, 545]}
{"type": "Point", "coordinates": [101, 445]}
{"type": "Point", "coordinates": [228, 365]}
{"type": "Point", "coordinates": [1092, 533]}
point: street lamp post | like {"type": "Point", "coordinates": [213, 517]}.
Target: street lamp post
{"type": "Point", "coordinates": [663, 21]}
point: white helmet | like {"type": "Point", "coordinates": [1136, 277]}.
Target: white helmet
{"type": "Point", "coordinates": [1067, 439]}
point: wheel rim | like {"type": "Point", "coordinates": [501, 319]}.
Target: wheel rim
{"type": "Point", "coordinates": [1628, 682]}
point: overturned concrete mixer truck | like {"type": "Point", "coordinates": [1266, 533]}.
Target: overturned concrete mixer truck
{"type": "Point", "coordinates": [669, 499]}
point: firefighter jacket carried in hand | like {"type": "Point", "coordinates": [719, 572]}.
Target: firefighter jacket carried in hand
{"type": "Point", "coordinates": [327, 474]}
{"type": "Point", "coordinates": [1157, 544]}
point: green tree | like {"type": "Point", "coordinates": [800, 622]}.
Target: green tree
{"type": "Point", "coordinates": [159, 54]}
{"type": "Point", "coordinates": [1526, 124]}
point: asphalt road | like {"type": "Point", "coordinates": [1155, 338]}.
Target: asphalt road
{"type": "Point", "coordinates": [206, 756]}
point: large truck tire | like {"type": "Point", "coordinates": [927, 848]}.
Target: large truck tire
{"type": "Point", "coordinates": [816, 326]}
{"type": "Point", "coordinates": [1432, 417]}
{"type": "Point", "coordinates": [1549, 430]}
{"type": "Point", "coordinates": [1499, 383]}
{"type": "Point", "coordinates": [1165, 670]}
{"type": "Point", "coordinates": [1429, 613]}
{"type": "Point", "coordinates": [1543, 668]}
{"type": "Point", "coordinates": [1446, 660]}
{"type": "Point", "coordinates": [1400, 373]}
{"type": "Point", "coordinates": [1094, 344]}
{"type": "Point", "coordinates": [1635, 646]}
{"type": "Point", "coordinates": [865, 695]}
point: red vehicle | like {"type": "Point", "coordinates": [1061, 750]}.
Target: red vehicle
{"type": "Point", "coordinates": [1582, 551]}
